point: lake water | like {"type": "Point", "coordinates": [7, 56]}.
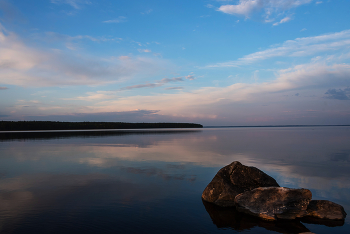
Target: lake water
{"type": "Point", "coordinates": [151, 181]}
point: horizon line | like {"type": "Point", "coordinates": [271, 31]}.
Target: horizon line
{"type": "Point", "coordinates": [265, 126]}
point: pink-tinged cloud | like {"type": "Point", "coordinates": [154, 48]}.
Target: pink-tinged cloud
{"type": "Point", "coordinates": [27, 66]}
{"type": "Point", "coordinates": [246, 103]}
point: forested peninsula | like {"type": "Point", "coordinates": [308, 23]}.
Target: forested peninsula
{"type": "Point", "coordinates": [56, 125]}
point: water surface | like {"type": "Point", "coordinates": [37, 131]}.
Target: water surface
{"type": "Point", "coordinates": [151, 181]}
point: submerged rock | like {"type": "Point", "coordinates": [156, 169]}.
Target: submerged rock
{"type": "Point", "coordinates": [274, 202]}
{"type": "Point", "coordinates": [234, 179]}
{"type": "Point", "coordinates": [324, 209]}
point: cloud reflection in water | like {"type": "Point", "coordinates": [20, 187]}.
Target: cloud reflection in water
{"type": "Point", "coordinates": [157, 173]}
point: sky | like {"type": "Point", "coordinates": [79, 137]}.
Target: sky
{"type": "Point", "coordinates": [213, 62]}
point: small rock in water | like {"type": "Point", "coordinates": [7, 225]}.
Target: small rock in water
{"type": "Point", "coordinates": [324, 209]}
{"type": "Point", "coordinates": [234, 179]}
{"type": "Point", "coordinates": [274, 202]}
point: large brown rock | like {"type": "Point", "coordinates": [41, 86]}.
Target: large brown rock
{"type": "Point", "coordinates": [234, 179]}
{"type": "Point", "coordinates": [274, 202]}
{"type": "Point", "coordinates": [324, 209]}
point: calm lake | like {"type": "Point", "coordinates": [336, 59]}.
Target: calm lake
{"type": "Point", "coordinates": [151, 181]}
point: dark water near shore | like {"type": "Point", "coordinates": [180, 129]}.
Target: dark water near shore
{"type": "Point", "coordinates": [151, 181]}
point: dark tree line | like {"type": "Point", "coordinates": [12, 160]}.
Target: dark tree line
{"type": "Point", "coordinates": [56, 125]}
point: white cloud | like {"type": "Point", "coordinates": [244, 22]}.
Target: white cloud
{"type": "Point", "coordinates": [120, 19]}
{"type": "Point", "coordinates": [246, 7]}
{"type": "Point", "coordinates": [284, 20]}
{"type": "Point", "coordinates": [270, 8]}
{"type": "Point", "coordinates": [147, 12]}
{"type": "Point", "coordinates": [209, 6]}
{"type": "Point", "coordinates": [28, 66]}
{"type": "Point", "coordinates": [190, 77]}
{"type": "Point", "coordinates": [243, 8]}
{"type": "Point", "coordinates": [144, 50]}
{"type": "Point", "coordinates": [299, 47]}
{"type": "Point", "coordinates": [74, 3]}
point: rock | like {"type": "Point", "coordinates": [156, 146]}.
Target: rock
{"type": "Point", "coordinates": [274, 202]}
{"type": "Point", "coordinates": [324, 209]}
{"type": "Point", "coordinates": [234, 179]}
{"type": "Point", "coordinates": [230, 218]}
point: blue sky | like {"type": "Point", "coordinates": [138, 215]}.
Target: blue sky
{"type": "Point", "coordinates": [215, 62]}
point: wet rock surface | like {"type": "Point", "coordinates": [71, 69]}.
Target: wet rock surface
{"type": "Point", "coordinates": [324, 209]}
{"type": "Point", "coordinates": [235, 179]}
{"type": "Point", "coordinates": [274, 203]}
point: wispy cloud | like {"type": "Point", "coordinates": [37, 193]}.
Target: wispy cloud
{"type": "Point", "coordinates": [190, 77]}
{"type": "Point", "coordinates": [174, 88]}
{"type": "Point", "coordinates": [3, 88]}
{"type": "Point", "coordinates": [53, 36]}
{"type": "Point", "coordinates": [144, 50]}
{"type": "Point", "coordinates": [107, 95]}
{"type": "Point", "coordinates": [120, 19]}
{"type": "Point", "coordinates": [29, 66]}
{"type": "Point", "coordinates": [209, 6]}
{"type": "Point", "coordinates": [153, 85]}
{"type": "Point", "coordinates": [98, 95]}
{"type": "Point", "coordinates": [147, 12]}
{"type": "Point", "coordinates": [271, 8]}
{"type": "Point", "coordinates": [305, 46]}
{"type": "Point", "coordinates": [74, 3]}
{"type": "Point", "coordinates": [284, 20]}
{"type": "Point", "coordinates": [72, 42]}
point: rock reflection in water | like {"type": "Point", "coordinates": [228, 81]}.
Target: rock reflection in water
{"type": "Point", "coordinates": [231, 218]}
{"type": "Point", "coordinates": [326, 222]}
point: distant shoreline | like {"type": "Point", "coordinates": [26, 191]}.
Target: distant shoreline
{"type": "Point", "coordinates": [57, 125]}
{"type": "Point", "coordinates": [278, 126]}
